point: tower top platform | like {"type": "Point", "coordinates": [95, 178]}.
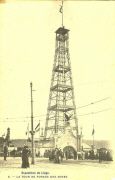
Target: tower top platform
{"type": "Point", "coordinates": [62, 31]}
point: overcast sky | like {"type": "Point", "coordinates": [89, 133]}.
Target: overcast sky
{"type": "Point", "coordinates": [27, 47]}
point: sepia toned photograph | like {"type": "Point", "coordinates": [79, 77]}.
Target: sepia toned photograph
{"type": "Point", "coordinates": [57, 89]}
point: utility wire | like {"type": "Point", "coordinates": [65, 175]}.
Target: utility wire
{"type": "Point", "coordinates": [76, 108]}
{"type": "Point", "coordinates": [95, 112]}
{"type": "Point", "coordinates": [70, 119]}
{"type": "Point", "coordinates": [23, 117]}
{"type": "Point", "coordinates": [93, 103]}
{"type": "Point", "coordinates": [16, 118]}
{"type": "Point", "coordinates": [94, 82]}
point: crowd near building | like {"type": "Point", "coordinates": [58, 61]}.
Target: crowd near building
{"type": "Point", "coordinates": [63, 147]}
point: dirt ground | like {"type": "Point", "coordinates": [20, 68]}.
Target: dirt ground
{"type": "Point", "coordinates": [68, 169]}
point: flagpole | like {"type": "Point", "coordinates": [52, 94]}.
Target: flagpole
{"type": "Point", "coordinates": [32, 132]}
{"type": "Point", "coordinates": [39, 130]}
{"type": "Point", "coordinates": [93, 137]}
{"type": "Point", "coordinates": [62, 13]}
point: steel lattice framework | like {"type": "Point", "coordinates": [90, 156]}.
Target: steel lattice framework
{"type": "Point", "coordinates": [61, 98]}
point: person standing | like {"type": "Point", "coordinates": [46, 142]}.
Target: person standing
{"type": "Point", "coordinates": [75, 154]}
{"type": "Point", "coordinates": [56, 158]}
{"type": "Point", "coordinates": [14, 153]}
{"type": "Point", "coordinates": [67, 154]}
{"type": "Point", "coordinates": [25, 156]}
{"type": "Point", "coordinates": [5, 152]}
{"type": "Point", "coordinates": [61, 155]}
{"type": "Point", "coordinates": [100, 156]}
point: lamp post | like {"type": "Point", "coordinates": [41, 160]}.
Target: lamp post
{"type": "Point", "coordinates": [32, 132]}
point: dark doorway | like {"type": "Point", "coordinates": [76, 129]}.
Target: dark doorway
{"type": "Point", "coordinates": [70, 152]}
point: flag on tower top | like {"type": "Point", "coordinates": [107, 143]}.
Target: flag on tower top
{"type": "Point", "coordinates": [60, 9]}
{"type": "Point", "coordinates": [93, 131]}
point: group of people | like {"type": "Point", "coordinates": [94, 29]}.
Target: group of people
{"type": "Point", "coordinates": [101, 155]}
{"type": "Point", "coordinates": [56, 155]}
{"type": "Point", "coordinates": [105, 156]}
{"type": "Point", "coordinates": [70, 154]}
{"type": "Point", "coordinates": [25, 155]}
{"type": "Point", "coordinates": [91, 155]}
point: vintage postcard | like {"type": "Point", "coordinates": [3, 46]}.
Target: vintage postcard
{"type": "Point", "coordinates": [57, 90]}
